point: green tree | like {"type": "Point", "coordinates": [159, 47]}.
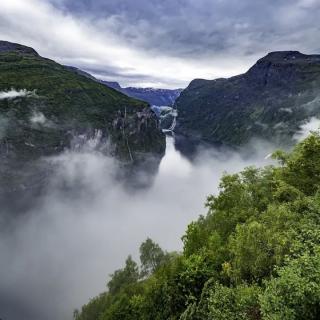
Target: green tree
{"type": "Point", "coordinates": [259, 245]}
{"type": "Point", "coordinates": [301, 168]}
{"type": "Point", "coordinates": [76, 314]}
{"type": "Point", "coordinates": [124, 277]}
{"type": "Point", "coordinates": [238, 303]}
{"type": "Point", "coordinates": [151, 257]}
{"type": "Point", "coordinates": [295, 293]}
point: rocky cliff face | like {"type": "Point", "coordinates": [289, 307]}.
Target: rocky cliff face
{"type": "Point", "coordinates": [270, 101]}
{"type": "Point", "coordinates": [45, 107]}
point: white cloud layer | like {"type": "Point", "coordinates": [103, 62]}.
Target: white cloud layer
{"type": "Point", "coordinates": [11, 94]}
{"type": "Point", "coordinates": [305, 129]}
{"type": "Point", "coordinates": [38, 118]}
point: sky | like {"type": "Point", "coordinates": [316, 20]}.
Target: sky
{"type": "Point", "coordinates": [161, 43]}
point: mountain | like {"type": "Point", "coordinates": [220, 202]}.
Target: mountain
{"type": "Point", "coordinates": [46, 107]}
{"type": "Point", "coordinates": [156, 97]}
{"type": "Point", "coordinates": [270, 101]}
{"type": "Point", "coordinates": [114, 85]}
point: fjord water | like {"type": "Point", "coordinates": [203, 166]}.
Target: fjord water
{"type": "Point", "coordinates": [58, 255]}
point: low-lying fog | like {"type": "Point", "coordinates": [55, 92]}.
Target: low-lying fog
{"type": "Point", "coordinates": [56, 257]}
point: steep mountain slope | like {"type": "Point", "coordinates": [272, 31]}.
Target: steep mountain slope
{"type": "Point", "coordinates": [46, 107]}
{"type": "Point", "coordinates": [270, 101]}
{"type": "Point", "coordinates": [156, 97]}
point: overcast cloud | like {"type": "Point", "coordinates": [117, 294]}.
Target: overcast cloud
{"type": "Point", "coordinates": [161, 43]}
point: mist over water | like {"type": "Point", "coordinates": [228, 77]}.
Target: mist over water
{"type": "Point", "coordinates": [58, 255]}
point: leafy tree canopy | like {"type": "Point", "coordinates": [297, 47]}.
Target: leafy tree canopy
{"type": "Point", "coordinates": [255, 255]}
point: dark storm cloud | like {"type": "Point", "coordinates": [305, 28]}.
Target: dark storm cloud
{"type": "Point", "coordinates": [194, 28]}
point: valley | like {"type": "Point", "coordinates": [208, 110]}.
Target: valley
{"type": "Point", "coordinates": [90, 171]}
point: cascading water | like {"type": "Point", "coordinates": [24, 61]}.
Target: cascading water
{"type": "Point", "coordinates": [167, 117]}
{"type": "Point", "coordinates": [174, 115]}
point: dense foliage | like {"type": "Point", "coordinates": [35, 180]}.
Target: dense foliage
{"type": "Point", "coordinates": [255, 255]}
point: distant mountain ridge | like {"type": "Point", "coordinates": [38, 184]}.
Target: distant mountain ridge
{"type": "Point", "coordinates": [270, 101]}
{"type": "Point", "coordinates": [156, 97]}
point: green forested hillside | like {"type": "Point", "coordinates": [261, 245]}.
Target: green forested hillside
{"type": "Point", "coordinates": [46, 108]}
{"type": "Point", "coordinates": [255, 255]}
{"type": "Point", "coordinates": [69, 104]}
{"type": "Point", "coordinates": [271, 100]}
